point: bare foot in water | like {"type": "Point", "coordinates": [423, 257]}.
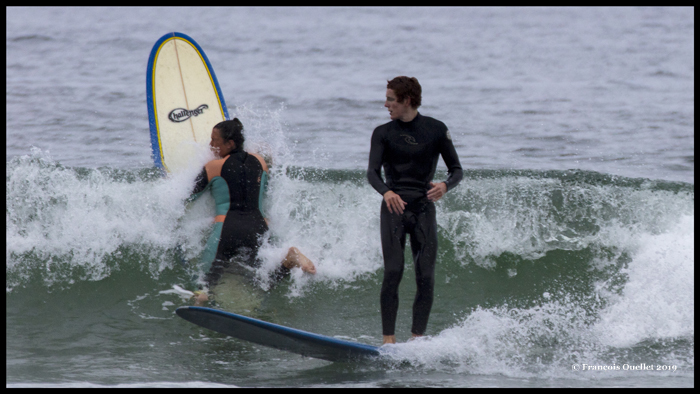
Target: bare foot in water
{"type": "Point", "coordinates": [200, 297]}
{"type": "Point", "coordinates": [296, 259]}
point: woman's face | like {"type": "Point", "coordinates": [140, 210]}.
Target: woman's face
{"type": "Point", "coordinates": [220, 147]}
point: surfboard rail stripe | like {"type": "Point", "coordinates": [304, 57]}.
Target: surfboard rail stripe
{"type": "Point", "coordinates": [156, 142]}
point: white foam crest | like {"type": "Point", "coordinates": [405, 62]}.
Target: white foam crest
{"type": "Point", "coordinates": [59, 215]}
{"type": "Point", "coordinates": [508, 215]}
{"type": "Point", "coordinates": [529, 342]}
{"type": "Point", "coordinates": [264, 134]}
{"type": "Point", "coordinates": [658, 299]}
{"type": "Point", "coordinates": [529, 217]}
{"type": "Point", "coordinates": [335, 225]}
{"type": "Point", "coordinates": [657, 303]}
{"type": "Point", "coordinates": [547, 341]}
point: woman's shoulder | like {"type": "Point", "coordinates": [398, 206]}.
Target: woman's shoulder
{"type": "Point", "coordinates": [214, 167]}
{"type": "Point", "coordinates": [261, 159]}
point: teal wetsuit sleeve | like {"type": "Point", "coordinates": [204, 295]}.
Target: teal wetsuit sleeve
{"type": "Point", "coordinates": [209, 253]}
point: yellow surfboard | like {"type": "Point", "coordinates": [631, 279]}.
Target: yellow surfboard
{"type": "Point", "coordinates": [184, 101]}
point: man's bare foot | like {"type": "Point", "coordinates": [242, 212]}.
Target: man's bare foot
{"type": "Point", "coordinates": [414, 336]}
{"type": "Point", "coordinates": [296, 259]}
{"type": "Point", "coordinates": [388, 339]}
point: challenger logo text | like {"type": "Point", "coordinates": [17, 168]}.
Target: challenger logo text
{"type": "Point", "coordinates": [180, 114]}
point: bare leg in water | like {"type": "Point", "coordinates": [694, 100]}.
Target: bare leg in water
{"type": "Point", "coordinates": [296, 259]}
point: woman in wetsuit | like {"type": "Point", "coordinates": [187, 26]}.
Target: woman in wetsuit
{"type": "Point", "coordinates": [236, 180]}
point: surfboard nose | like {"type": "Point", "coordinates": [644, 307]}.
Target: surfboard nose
{"type": "Point", "coordinates": [184, 101]}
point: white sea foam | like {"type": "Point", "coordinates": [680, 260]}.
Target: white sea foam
{"type": "Point", "coordinates": [657, 300]}
{"type": "Point", "coordinates": [656, 304]}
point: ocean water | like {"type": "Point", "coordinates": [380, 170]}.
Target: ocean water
{"type": "Point", "coordinates": [566, 255]}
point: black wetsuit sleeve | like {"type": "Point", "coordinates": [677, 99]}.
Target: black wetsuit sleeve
{"type": "Point", "coordinates": [454, 168]}
{"type": "Point", "coordinates": [200, 183]}
{"type": "Point", "coordinates": [374, 170]}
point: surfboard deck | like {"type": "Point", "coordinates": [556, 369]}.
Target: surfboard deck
{"type": "Point", "coordinates": [277, 336]}
{"type": "Point", "coordinates": [184, 101]}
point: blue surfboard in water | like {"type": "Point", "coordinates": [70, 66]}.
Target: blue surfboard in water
{"type": "Point", "coordinates": [277, 336]}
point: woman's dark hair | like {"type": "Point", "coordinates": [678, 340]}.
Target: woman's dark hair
{"type": "Point", "coordinates": [406, 87]}
{"type": "Point", "coordinates": [232, 130]}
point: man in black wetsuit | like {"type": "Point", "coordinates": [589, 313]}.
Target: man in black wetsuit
{"type": "Point", "coordinates": [408, 148]}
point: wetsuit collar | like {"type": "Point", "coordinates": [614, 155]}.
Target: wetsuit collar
{"type": "Point", "coordinates": [238, 153]}
{"type": "Point", "coordinates": [404, 125]}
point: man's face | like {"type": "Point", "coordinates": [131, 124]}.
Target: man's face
{"type": "Point", "coordinates": [396, 109]}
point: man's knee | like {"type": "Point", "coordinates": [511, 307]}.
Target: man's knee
{"type": "Point", "coordinates": [393, 273]}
